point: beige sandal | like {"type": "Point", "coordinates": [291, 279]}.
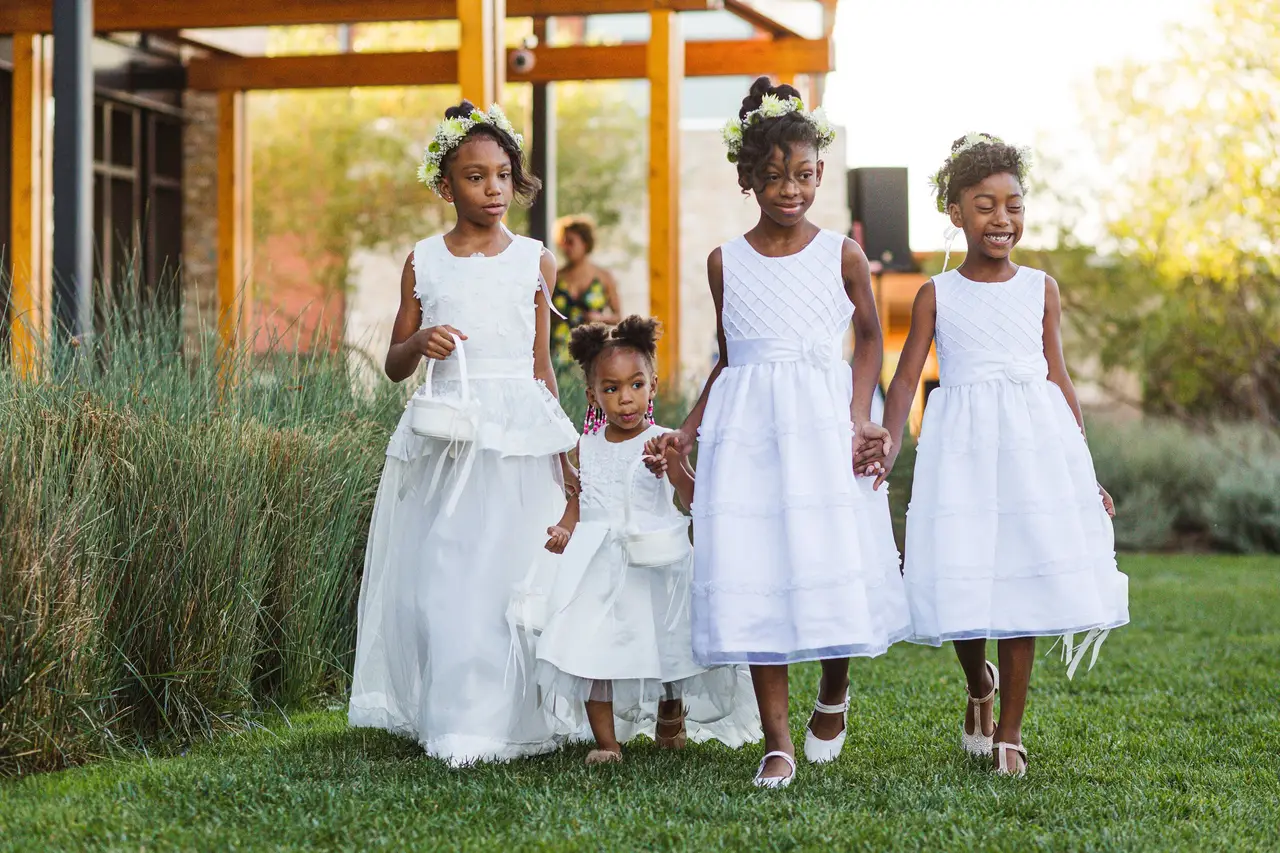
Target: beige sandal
{"type": "Point", "coordinates": [675, 741]}
{"type": "Point", "coordinates": [1004, 767]}
{"type": "Point", "coordinates": [977, 743]}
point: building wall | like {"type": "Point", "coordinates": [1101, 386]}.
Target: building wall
{"type": "Point", "coordinates": [199, 214]}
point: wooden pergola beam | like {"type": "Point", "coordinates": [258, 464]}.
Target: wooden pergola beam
{"type": "Point", "coordinates": [36, 16]}
{"type": "Point", "coordinates": [551, 64]}
{"type": "Point", "coordinates": [760, 20]}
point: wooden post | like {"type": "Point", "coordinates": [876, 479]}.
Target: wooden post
{"type": "Point", "coordinates": [542, 140]}
{"type": "Point", "coordinates": [481, 54]}
{"type": "Point", "coordinates": [234, 218]}
{"type": "Point", "coordinates": [665, 68]}
{"type": "Point", "coordinates": [30, 296]}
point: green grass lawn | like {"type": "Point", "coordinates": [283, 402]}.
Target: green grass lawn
{"type": "Point", "coordinates": [1172, 742]}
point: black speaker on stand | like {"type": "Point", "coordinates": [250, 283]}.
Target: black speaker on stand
{"type": "Point", "coordinates": [878, 205]}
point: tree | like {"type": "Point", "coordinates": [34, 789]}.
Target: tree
{"type": "Point", "coordinates": [1194, 210]}
{"type": "Point", "coordinates": [335, 170]}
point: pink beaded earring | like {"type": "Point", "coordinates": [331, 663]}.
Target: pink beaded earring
{"type": "Point", "coordinates": [593, 421]}
{"type": "Point", "coordinates": [648, 414]}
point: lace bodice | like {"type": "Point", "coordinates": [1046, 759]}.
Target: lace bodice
{"type": "Point", "coordinates": [489, 299]}
{"type": "Point", "coordinates": [800, 297]}
{"type": "Point", "coordinates": [987, 330]}
{"type": "Point", "coordinates": [603, 467]}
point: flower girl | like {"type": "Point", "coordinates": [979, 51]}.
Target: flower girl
{"type": "Point", "coordinates": [473, 471]}
{"type": "Point", "coordinates": [617, 641]}
{"type": "Point", "coordinates": [1008, 535]}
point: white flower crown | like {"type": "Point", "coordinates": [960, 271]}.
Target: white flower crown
{"type": "Point", "coordinates": [771, 106]}
{"type": "Point", "coordinates": [972, 140]}
{"type": "Point", "coordinates": [449, 135]}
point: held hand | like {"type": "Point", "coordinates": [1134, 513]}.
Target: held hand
{"type": "Point", "coordinates": [886, 468]}
{"type": "Point", "coordinates": [559, 539]}
{"type": "Point", "coordinates": [1107, 503]}
{"type": "Point", "coordinates": [437, 341]}
{"type": "Point", "coordinates": [871, 446]}
{"type": "Point", "coordinates": [677, 443]}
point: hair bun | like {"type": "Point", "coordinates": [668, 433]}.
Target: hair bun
{"type": "Point", "coordinates": [761, 87]}
{"type": "Point", "coordinates": [462, 110]}
{"type": "Point", "coordinates": [639, 333]}
{"type": "Point", "coordinates": [586, 342]}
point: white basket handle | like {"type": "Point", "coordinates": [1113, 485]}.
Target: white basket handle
{"type": "Point", "coordinates": [626, 498]}
{"type": "Point", "coordinates": [461, 355]}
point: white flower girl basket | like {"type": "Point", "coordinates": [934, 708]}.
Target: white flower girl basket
{"type": "Point", "coordinates": [651, 548]}
{"type": "Point", "coordinates": [449, 420]}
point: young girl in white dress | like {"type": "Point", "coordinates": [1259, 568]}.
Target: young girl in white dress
{"type": "Point", "coordinates": [792, 562]}
{"type": "Point", "coordinates": [617, 642]}
{"type": "Point", "coordinates": [457, 522]}
{"type": "Point", "coordinates": [1008, 534]}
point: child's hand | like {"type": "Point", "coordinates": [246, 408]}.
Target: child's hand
{"type": "Point", "coordinates": [1107, 503]}
{"type": "Point", "coordinates": [437, 341]}
{"type": "Point", "coordinates": [559, 539]}
{"type": "Point", "coordinates": [677, 443]}
{"type": "Point", "coordinates": [886, 467]}
{"type": "Point", "coordinates": [871, 446]}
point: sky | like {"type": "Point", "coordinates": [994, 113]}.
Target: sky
{"type": "Point", "coordinates": [912, 75]}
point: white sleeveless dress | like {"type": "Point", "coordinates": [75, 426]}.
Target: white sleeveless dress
{"type": "Point", "coordinates": [619, 632]}
{"type": "Point", "coordinates": [793, 561]}
{"type": "Point", "coordinates": [434, 648]}
{"type": "Point", "coordinates": [1006, 534]}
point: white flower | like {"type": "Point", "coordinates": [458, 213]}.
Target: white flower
{"type": "Point", "coordinates": [771, 106]}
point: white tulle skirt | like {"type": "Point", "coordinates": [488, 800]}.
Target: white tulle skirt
{"type": "Point", "coordinates": [436, 659]}
{"type": "Point", "coordinates": [794, 557]}
{"type": "Point", "coordinates": [621, 633]}
{"type": "Point", "coordinates": [1006, 534]}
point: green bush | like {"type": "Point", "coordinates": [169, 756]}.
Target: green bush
{"type": "Point", "coordinates": [1244, 508]}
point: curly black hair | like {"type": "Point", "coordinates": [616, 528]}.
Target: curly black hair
{"type": "Point", "coordinates": [525, 184]}
{"type": "Point", "coordinates": [761, 137]}
{"type": "Point", "coordinates": [587, 343]}
{"type": "Point", "coordinates": [975, 164]}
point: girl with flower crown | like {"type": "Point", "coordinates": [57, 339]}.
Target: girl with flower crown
{"type": "Point", "coordinates": [617, 643]}
{"type": "Point", "coordinates": [793, 562]}
{"type": "Point", "coordinates": [1008, 534]}
{"type": "Point", "coordinates": [459, 512]}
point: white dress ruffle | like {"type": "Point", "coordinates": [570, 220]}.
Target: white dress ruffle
{"type": "Point", "coordinates": [1006, 533]}
{"type": "Point", "coordinates": [796, 559]}
{"type": "Point", "coordinates": [625, 627]}
{"type": "Point", "coordinates": [436, 659]}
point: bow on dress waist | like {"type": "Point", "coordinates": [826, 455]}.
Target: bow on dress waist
{"type": "Point", "coordinates": [971, 368]}
{"type": "Point", "coordinates": [823, 354]}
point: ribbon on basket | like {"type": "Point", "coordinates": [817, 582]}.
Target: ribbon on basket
{"type": "Point", "coordinates": [1073, 655]}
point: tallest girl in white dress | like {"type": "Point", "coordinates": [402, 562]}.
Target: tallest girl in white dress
{"type": "Point", "coordinates": [792, 562]}
{"type": "Point", "coordinates": [457, 525]}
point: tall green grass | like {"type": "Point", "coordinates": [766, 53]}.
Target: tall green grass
{"type": "Point", "coordinates": [180, 550]}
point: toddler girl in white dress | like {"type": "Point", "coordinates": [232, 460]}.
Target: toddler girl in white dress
{"type": "Point", "coordinates": [1008, 534]}
{"type": "Point", "coordinates": [617, 640]}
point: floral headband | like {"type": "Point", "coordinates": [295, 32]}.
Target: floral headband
{"type": "Point", "coordinates": [449, 135]}
{"type": "Point", "coordinates": [938, 180]}
{"type": "Point", "coordinates": [771, 106]}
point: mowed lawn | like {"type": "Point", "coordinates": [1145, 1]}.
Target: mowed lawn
{"type": "Point", "coordinates": [1171, 743]}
